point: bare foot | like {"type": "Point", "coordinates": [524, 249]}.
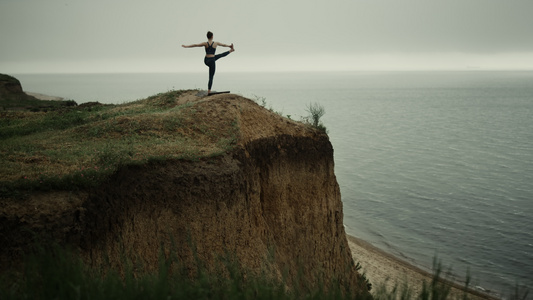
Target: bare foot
{"type": "Point", "coordinates": [231, 48]}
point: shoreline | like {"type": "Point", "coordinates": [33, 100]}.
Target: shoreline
{"type": "Point", "coordinates": [384, 270]}
{"type": "Point", "coordinates": [44, 97]}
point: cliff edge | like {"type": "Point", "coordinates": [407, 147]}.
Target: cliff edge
{"type": "Point", "coordinates": [269, 197]}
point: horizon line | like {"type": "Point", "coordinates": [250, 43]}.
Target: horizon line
{"type": "Point", "coordinates": [472, 69]}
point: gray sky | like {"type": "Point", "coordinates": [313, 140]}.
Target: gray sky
{"type": "Point", "coordinates": [274, 35]}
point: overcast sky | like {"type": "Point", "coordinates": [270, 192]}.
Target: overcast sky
{"type": "Point", "coordinates": [146, 36]}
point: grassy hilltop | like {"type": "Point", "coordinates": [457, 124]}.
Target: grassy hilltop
{"type": "Point", "coordinates": [77, 147]}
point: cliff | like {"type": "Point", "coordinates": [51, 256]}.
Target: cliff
{"type": "Point", "coordinates": [270, 197]}
{"type": "Point", "coordinates": [11, 89]}
{"type": "Point", "coordinates": [12, 97]}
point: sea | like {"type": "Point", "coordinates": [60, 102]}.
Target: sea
{"type": "Point", "coordinates": [431, 164]}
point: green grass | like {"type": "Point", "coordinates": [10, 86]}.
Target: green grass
{"type": "Point", "coordinates": [26, 103]}
{"type": "Point", "coordinates": [79, 147]}
{"type": "Point", "coordinates": [56, 273]}
{"type": "Point", "coordinates": [59, 274]}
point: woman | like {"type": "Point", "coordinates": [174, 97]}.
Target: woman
{"type": "Point", "coordinates": [210, 57]}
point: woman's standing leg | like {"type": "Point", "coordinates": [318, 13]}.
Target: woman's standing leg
{"type": "Point", "coordinates": [212, 68]}
{"type": "Point", "coordinates": [210, 62]}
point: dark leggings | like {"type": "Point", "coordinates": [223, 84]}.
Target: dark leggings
{"type": "Point", "coordinates": [210, 62]}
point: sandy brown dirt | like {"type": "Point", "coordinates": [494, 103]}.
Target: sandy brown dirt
{"type": "Point", "coordinates": [41, 218]}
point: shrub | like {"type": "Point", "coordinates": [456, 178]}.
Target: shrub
{"type": "Point", "coordinates": [260, 100]}
{"type": "Point", "coordinates": [316, 111]}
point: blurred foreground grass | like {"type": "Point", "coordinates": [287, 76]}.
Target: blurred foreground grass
{"type": "Point", "coordinates": [56, 273]}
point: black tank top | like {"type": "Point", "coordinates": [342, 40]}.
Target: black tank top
{"type": "Point", "coordinates": [209, 49]}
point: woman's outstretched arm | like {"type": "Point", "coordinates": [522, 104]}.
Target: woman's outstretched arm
{"type": "Point", "coordinates": [223, 45]}
{"type": "Point", "coordinates": [195, 45]}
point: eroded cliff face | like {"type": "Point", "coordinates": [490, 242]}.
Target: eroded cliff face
{"type": "Point", "coordinates": [272, 201]}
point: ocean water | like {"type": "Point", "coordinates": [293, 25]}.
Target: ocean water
{"type": "Point", "coordinates": [430, 164]}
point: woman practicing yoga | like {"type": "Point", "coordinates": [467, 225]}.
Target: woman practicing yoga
{"type": "Point", "coordinates": [210, 57]}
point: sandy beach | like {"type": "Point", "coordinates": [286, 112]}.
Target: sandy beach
{"type": "Point", "coordinates": [384, 270]}
{"type": "Point", "coordinates": [44, 97]}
